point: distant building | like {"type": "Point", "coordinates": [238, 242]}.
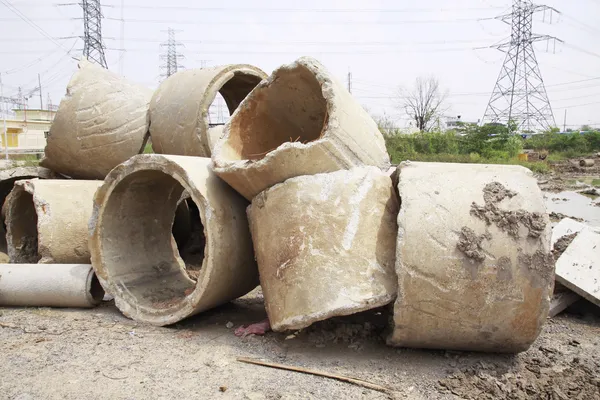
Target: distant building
{"type": "Point", "coordinates": [27, 130]}
{"type": "Point", "coordinates": [456, 124]}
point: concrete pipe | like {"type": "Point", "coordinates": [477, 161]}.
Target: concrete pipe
{"type": "Point", "coordinates": [8, 177]}
{"type": "Point", "coordinates": [138, 261]}
{"type": "Point", "coordinates": [51, 285]}
{"type": "Point", "coordinates": [46, 221]}
{"type": "Point", "coordinates": [335, 253]}
{"type": "Point", "coordinates": [300, 121]}
{"type": "Point", "coordinates": [179, 108]}
{"type": "Point", "coordinates": [586, 163]}
{"type": "Point", "coordinates": [101, 122]}
{"type": "Point", "coordinates": [474, 262]}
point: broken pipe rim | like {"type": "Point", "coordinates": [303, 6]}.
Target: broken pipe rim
{"type": "Point", "coordinates": [49, 285]}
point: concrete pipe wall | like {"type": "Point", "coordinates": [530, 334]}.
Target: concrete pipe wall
{"type": "Point", "coordinates": [50, 285]}
{"type": "Point", "coordinates": [138, 261]}
{"type": "Point", "coordinates": [8, 177]}
{"type": "Point", "coordinates": [46, 221]}
{"type": "Point", "coordinates": [474, 262]}
{"type": "Point", "coordinates": [179, 108]}
{"type": "Point", "coordinates": [325, 245]}
{"type": "Point", "coordinates": [101, 122]}
{"type": "Point", "coordinates": [300, 121]}
{"type": "Point", "coordinates": [586, 163]}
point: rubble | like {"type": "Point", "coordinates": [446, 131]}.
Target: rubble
{"type": "Point", "coordinates": [474, 266]}
{"type": "Point", "coordinates": [179, 108]}
{"type": "Point", "coordinates": [49, 285]}
{"type": "Point", "coordinates": [46, 221]}
{"type": "Point", "coordinates": [334, 255]}
{"type": "Point", "coordinates": [101, 122]}
{"type": "Point", "coordinates": [136, 257]}
{"type": "Point", "coordinates": [299, 121]}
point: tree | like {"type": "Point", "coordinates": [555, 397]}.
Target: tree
{"type": "Point", "coordinates": [424, 103]}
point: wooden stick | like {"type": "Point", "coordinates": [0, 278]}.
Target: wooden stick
{"type": "Point", "coordinates": [358, 382]}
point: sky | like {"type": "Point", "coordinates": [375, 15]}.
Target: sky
{"type": "Point", "coordinates": [384, 44]}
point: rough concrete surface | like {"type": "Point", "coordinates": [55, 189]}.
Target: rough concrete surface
{"type": "Point", "coordinates": [578, 268]}
{"type": "Point", "coordinates": [299, 121]}
{"type": "Point", "coordinates": [101, 122]}
{"type": "Point", "coordinates": [49, 285]}
{"type": "Point", "coordinates": [179, 107]}
{"type": "Point", "coordinates": [568, 226]}
{"type": "Point", "coordinates": [474, 264]}
{"type": "Point", "coordinates": [334, 252]}
{"type": "Point", "coordinates": [136, 257]}
{"type": "Point", "coordinates": [99, 354]}
{"type": "Point", "coordinates": [46, 221]}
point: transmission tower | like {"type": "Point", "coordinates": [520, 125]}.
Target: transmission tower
{"type": "Point", "coordinates": [519, 94]}
{"type": "Point", "coordinates": [171, 56]}
{"type": "Point", "coordinates": [93, 48]}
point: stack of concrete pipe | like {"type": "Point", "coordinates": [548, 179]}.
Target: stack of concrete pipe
{"type": "Point", "coordinates": [294, 192]}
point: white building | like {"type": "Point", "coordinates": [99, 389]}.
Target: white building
{"type": "Point", "coordinates": [26, 131]}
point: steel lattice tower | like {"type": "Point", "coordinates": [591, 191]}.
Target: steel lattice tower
{"type": "Point", "coordinates": [519, 94]}
{"type": "Point", "coordinates": [171, 57]}
{"type": "Point", "coordinates": [93, 48]}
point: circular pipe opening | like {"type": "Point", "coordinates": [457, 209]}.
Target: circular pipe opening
{"type": "Point", "coordinates": [229, 97]}
{"type": "Point", "coordinates": [290, 109]}
{"type": "Point", "coordinates": [22, 226]}
{"type": "Point", "coordinates": [96, 290]}
{"type": "Point", "coordinates": [140, 252]}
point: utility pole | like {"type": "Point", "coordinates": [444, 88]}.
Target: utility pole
{"type": "Point", "coordinates": [349, 81]}
{"type": "Point", "coordinates": [565, 122]}
{"type": "Point", "coordinates": [93, 48]}
{"type": "Point", "coordinates": [4, 117]}
{"type": "Point", "coordinates": [40, 87]}
{"type": "Point", "coordinates": [519, 94]}
{"type": "Point", "coordinates": [170, 57]}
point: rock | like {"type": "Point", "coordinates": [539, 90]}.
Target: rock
{"type": "Point", "coordinates": [334, 255]}
{"type": "Point", "coordinates": [101, 122]}
{"type": "Point", "coordinates": [299, 121]}
{"type": "Point", "coordinates": [229, 325]}
{"type": "Point", "coordinates": [179, 108]}
{"type": "Point", "coordinates": [474, 266]}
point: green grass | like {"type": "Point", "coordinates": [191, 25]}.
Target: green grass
{"type": "Point", "coordinates": [596, 182]}
{"type": "Point", "coordinates": [148, 148]}
{"type": "Point", "coordinates": [538, 167]}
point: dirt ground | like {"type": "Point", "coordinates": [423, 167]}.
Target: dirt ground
{"type": "Point", "coordinates": [99, 354]}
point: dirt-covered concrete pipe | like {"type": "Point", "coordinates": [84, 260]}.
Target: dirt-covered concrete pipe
{"type": "Point", "coordinates": [179, 120]}
{"type": "Point", "coordinates": [46, 221]}
{"type": "Point", "coordinates": [136, 257]}
{"type": "Point", "coordinates": [474, 262]}
{"type": "Point", "coordinates": [335, 253]}
{"type": "Point", "coordinates": [49, 285]}
{"type": "Point", "coordinates": [101, 122]}
{"type": "Point", "coordinates": [299, 121]}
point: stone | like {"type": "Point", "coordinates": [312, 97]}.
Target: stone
{"type": "Point", "coordinates": [579, 266]}
{"type": "Point", "coordinates": [474, 266]}
{"type": "Point", "coordinates": [299, 121]}
{"type": "Point", "coordinates": [46, 221]}
{"type": "Point", "coordinates": [325, 245]}
{"type": "Point", "coordinates": [101, 122]}
{"type": "Point", "coordinates": [179, 122]}
{"type": "Point", "coordinates": [153, 278]}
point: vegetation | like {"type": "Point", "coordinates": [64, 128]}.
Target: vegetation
{"type": "Point", "coordinates": [424, 103]}
{"type": "Point", "coordinates": [490, 143]}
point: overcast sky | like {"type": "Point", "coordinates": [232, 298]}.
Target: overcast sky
{"type": "Point", "coordinates": [385, 44]}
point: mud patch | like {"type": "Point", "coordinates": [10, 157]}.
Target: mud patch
{"type": "Point", "coordinates": [557, 217]}
{"type": "Point", "coordinates": [538, 267]}
{"type": "Point", "coordinates": [507, 221]}
{"type": "Point", "coordinates": [561, 245]}
{"type": "Point", "coordinates": [470, 244]}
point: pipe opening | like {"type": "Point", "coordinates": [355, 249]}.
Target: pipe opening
{"type": "Point", "coordinates": [96, 290]}
{"type": "Point", "coordinates": [191, 246]}
{"type": "Point", "coordinates": [140, 250]}
{"type": "Point", "coordinates": [291, 109]}
{"type": "Point", "coordinates": [23, 229]}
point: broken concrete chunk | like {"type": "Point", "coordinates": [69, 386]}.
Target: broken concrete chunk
{"type": "Point", "coordinates": [46, 221]}
{"type": "Point", "coordinates": [474, 266]}
{"type": "Point", "coordinates": [579, 266]}
{"type": "Point", "coordinates": [49, 285]}
{"type": "Point", "coordinates": [158, 278]}
{"type": "Point", "coordinates": [568, 226]}
{"type": "Point", "coordinates": [179, 122]}
{"type": "Point", "coordinates": [325, 245]}
{"type": "Point", "coordinates": [562, 300]}
{"type": "Point", "coordinates": [101, 122]}
{"type": "Point", "coordinates": [300, 121]}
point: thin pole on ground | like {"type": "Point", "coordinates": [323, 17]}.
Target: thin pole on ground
{"type": "Point", "coordinates": [4, 117]}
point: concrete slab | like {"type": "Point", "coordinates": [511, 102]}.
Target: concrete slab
{"type": "Point", "coordinates": [579, 266]}
{"type": "Point", "coordinates": [568, 226]}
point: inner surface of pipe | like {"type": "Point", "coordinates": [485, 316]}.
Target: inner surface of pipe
{"type": "Point", "coordinates": [23, 228]}
{"type": "Point", "coordinates": [191, 250]}
{"type": "Point", "coordinates": [290, 109]}
{"type": "Point", "coordinates": [140, 253]}
{"type": "Point", "coordinates": [95, 289]}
